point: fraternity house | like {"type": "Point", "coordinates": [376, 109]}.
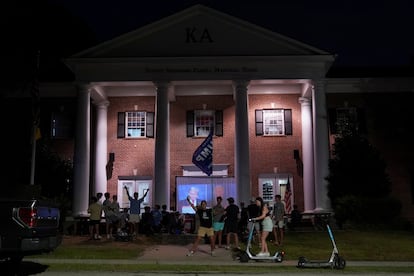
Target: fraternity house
{"type": "Point", "coordinates": [148, 99]}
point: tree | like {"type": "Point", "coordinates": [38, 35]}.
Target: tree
{"type": "Point", "coordinates": [358, 185]}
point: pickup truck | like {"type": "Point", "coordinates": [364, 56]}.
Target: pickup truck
{"type": "Point", "coordinates": [28, 227]}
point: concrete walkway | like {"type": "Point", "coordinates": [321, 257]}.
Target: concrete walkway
{"type": "Point", "coordinates": [176, 254]}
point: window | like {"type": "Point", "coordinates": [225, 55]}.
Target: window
{"type": "Point", "coordinates": [347, 118]}
{"type": "Point", "coordinates": [203, 121]}
{"type": "Point", "coordinates": [61, 126]}
{"type": "Point", "coordinates": [135, 124]}
{"type": "Point", "coordinates": [273, 122]}
{"type": "Point", "coordinates": [199, 122]}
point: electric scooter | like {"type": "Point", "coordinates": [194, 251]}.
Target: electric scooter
{"type": "Point", "coordinates": [335, 261]}
{"type": "Point", "coordinates": [245, 256]}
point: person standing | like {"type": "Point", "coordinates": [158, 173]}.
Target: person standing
{"type": "Point", "coordinates": [135, 209]}
{"type": "Point", "coordinates": [157, 218]}
{"type": "Point", "coordinates": [267, 226]}
{"type": "Point", "coordinates": [109, 214]}
{"type": "Point", "coordinates": [232, 212]}
{"type": "Point", "coordinates": [95, 211]}
{"type": "Point", "coordinates": [253, 210]}
{"type": "Point", "coordinates": [206, 225]}
{"type": "Point", "coordinates": [278, 220]}
{"type": "Point", "coordinates": [218, 222]}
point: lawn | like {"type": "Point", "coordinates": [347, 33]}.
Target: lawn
{"type": "Point", "coordinates": [353, 245]}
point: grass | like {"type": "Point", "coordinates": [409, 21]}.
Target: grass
{"type": "Point", "coordinates": [353, 245]}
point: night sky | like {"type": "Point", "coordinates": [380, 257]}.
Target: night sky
{"type": "Point", "coordinates": [362, 33]}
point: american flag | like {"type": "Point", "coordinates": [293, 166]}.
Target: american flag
{"type": "Point", "coordinates": [288, 198]}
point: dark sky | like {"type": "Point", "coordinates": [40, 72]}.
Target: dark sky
{"type": "Point", "coordinates": [361, 33]}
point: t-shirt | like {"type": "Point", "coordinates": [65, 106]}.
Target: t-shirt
{"type": "Point", "coordinates": [218, 211]}
{"type": "Point", "coordinates": [206, 217]}
{"type": "Point", "coordinates": [278, 211]}
{"type": "Point", "coordinates": [232, 213]}
{"type": "Point", "coordinates": [135, 205]}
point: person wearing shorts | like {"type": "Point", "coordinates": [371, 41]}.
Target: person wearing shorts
{"type": "Point", "coordinates": [206, 226]}
{"type": "Point", "coordinates": [267, 226]}
{"type": "Point", "coordinates": [278, 220]}
{"type": "Point", "coordinates": [135, 209]}
{"type": "Point", "coordinates": [95, 211]}
{"type": "Point", "coordinates": [218, 221]}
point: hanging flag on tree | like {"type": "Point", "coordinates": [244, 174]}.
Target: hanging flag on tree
{"type": "Point", "coordinates": [288, 198]}
{"type": "Point", "coordinates": [203, 155]}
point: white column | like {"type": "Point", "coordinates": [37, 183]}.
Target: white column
{"type": "Point", "coordinates": [307, 155]}
{"type": "Point", "coordinates": [101, 147]}
{"type": "Point", "coordinates": [81, 160]}
{"type": "Point", "coordinates": [161, 193]}
{"type": "Point", "coordinates": [242, 148]}
{"type": "Point", "coordinates": [321, 145]}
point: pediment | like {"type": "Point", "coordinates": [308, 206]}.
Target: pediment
{"type": "Point", "coordinates": [197, 32]}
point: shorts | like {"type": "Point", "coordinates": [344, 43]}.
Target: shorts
{"type": "Point", "coordinates": [279, 224]}
{"type": "Point", "coordinates": [94, 222]}
{"type": "Point", "coordinates": [111, 219]}
{"type": "Point", "coordinates": [267, 224]}
{"type": "Point", "coordinates": [134, 218]}
{"type": "Point", "coordinates": [218, 226]}
{"type": "Point", "coordinates": [202, 231]}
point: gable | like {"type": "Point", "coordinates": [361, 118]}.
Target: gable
{"type": "Point", "coordinates": [200, 31]}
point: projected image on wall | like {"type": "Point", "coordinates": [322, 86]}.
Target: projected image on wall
{"type": "Point", "coordinates": [203, 188]}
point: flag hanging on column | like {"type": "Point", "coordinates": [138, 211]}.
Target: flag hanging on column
{"type": "Point", "coordinates": [203, 155]}
{"type": "Point", "coordinates": [288, 198]}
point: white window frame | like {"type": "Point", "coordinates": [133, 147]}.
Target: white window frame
{"type": "Point", "coordinates": [203, 121]}
{"type": "Point", "coordinates": [273, 122]}
{"type": "Point", "coordinates": [136, 124]}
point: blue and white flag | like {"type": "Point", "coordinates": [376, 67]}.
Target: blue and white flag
{"type": "Point", "coordinates": [203, 155]}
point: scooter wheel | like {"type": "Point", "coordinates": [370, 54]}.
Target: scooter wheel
{"type": "Point", "coordinates": [339, 263]}
{"type": "Point", "coordinates": [301, 262]}
{"type": "Point", "coordinates": [244, 258]}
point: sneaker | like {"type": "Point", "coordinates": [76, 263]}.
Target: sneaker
{"type": "Point", "coordinates": [212, 253]}
{"type": "Point", "coordinates": [190, 253]}
{"type": "Point", "coordinates": [266, 254]}
{"type": "Point", "coordinates": [227, 247]}
{"type": "Point", "coordinates": [260, 254]}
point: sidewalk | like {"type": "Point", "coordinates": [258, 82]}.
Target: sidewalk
{"type": "Point", "coordinates": [176, 254]}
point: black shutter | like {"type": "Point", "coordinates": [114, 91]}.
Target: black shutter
{"type": "Point", "coordinates": [288, 121]}
{"type": "Point", "coordinates": [259, 122]}
{"type": "Point", "coordinates": [121, 125]}
{"type": "Point", "coordinates": [332, 120]}
{"type": "Point", "coordinates": [218, 129]}
{"type": "Point", "coordinates": [190, 123]}
{"type": "Point", "coordinates": [150, 124]}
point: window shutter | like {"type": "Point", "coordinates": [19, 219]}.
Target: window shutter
{"type": "Point", "coordinates": [259, 122]}
{"type": "Point", "coordinates": [121, 125]}
{"type": "Point", "coordinates": [150, 124]}
{"type": "Point", "coordinates": [218, 129]}
{"type": "Point", "coordinates": [190, 123]}
{"type": "Point", "coordinates": [288, 122]}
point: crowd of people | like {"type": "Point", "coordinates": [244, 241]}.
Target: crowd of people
{"type": "Point", "coordinates": [223, 226]}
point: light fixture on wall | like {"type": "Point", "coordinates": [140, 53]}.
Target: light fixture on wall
{"type": "Point", "coordinates": [135, 107]}
{"type": "Point", "coordinates": [272, 105]}
{"type": "Point", "coordinates": [204, 106]}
